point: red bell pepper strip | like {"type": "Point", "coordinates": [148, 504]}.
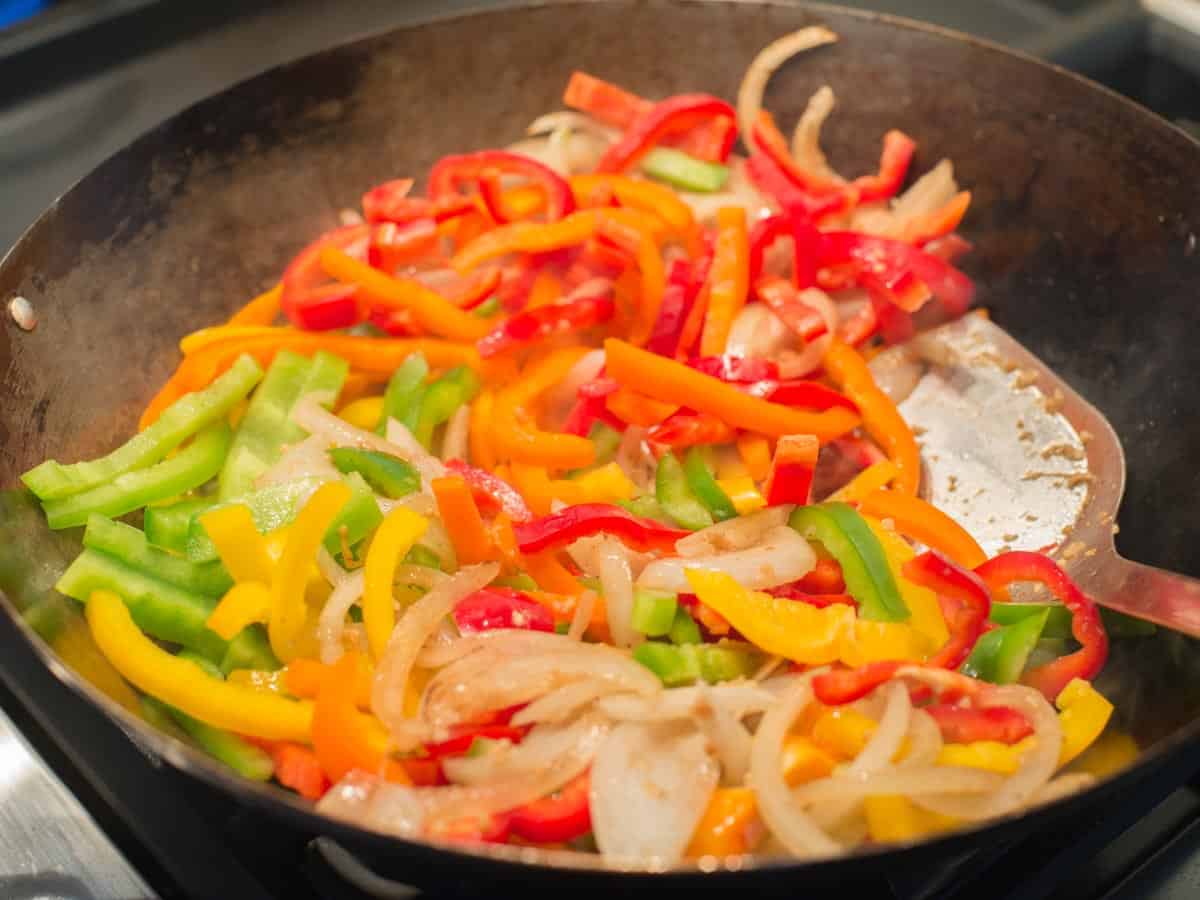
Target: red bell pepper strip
{"type": "Point", "coordinates": [841, 686]}
{"type": "Point", "coordinates": [394, 245]}
{"type": "Point", "coordinates": [1086, 626]}
{"type": "Point", "coordinates": [500, 607]}
{"type": "Point", "coordinates": [795, 591]}
{"type": "Point", "coordinates": [769, 178]}
{"type": "Point", "coordinates": [898, 149]}
{"type": "Point", "coordinates": [735, 369]}
{"type": "Point", "coordinates": [310, 299]}
{"type": "Point", "coordinates": [562, 816]}
{"type": "Point", "coordinates": [890, 259]}
{"type": "Point", "coordinates": [967, 610]}
{"type": "Point", "coordinates": [588, 305]}
{"type": "Point", "coordinates": [825, 578]}
{"type": "Point", "coordinates": [586, 519]}
{"type": "Point", "coordinates": [492, 489]}
{"type": "Point", "coordinates": [791, 476]}
{"type": "Point", "coordinates": [388, 201]}
{"type": "Point", "coordinates": [473, 829]}
{"type": "Point", "coordinates": [475, 288]}
{"type": "Point", "coordinates": [782, 298]}
{"type": "Point", "coordinates": [893, 323]}
{"type": "Point", "coordinates": [801, 393]}
{"type": "Point", "coordinates": [450, 173]}
{"type": "Point", "coordinates": [965, 724]}
{"type": "Point", "coordinates": [766, 137]}
{"type": "Point", "coordinates": [689, 429]}
{"type": "Point", "coordinates": [677, 300]}
{"type": "Point", "coordinates": [766, 231]}
{"type": "Point", "coordinates": [668, 117]}
{"type": "Point", "coordinates": [462, 736]}
{"type": "Point", "coordinates": [861, 452]}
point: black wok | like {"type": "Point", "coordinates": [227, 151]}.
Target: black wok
{"type": "Point", "coordinates": [1085, 220]}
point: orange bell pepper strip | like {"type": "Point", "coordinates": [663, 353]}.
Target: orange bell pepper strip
{"type": "Point", "coordinates": [546, 289]}
{"type": "Point", "coordinates": [638, 193]}
{"type": "Point", "coordinates": [924, 522]}
{"type": "Point", "coordinates": [728, 279]}
{"type": "Point", "coordinates": [303, 677]}
{"type": "Point", "coordinates": [635, 236]}
{"type": "Point", "coordinates": [868, 481]}
{"type": "Point", "coordinates": [675, 382]}
{"type": "Point", "coordinates": [296, 767]}
{"type": "Point", "coordinates": [938, 222]}
{"type": "Point", "coordinates": [535, 485]}
{"type": "Point", "coordinates": [550, 574]}
{"type": "Point", "coordinates": [262, 310]}
{"type": "Point", "coordinates": [342, 736]}
{"type": "Point", "coordinates": [460, 515]}
{"type": "Point", "coordinates": [431, 310]}
{"type": "Point", "coordinates": [635, 408]}
{"type": "Point", "coordinates": [505, 541]}
{"type": "Point", "coordinates": [527, 237]}
{"type": "Point", "coordinates": [526, 442]}
{"type": "Point", "coordinates": [880, 417]}
{"type": "Point", "coordinates": [483, 454]}
{"type": "Point", "coordinates": [693, 325]}
{"type": "Point", "coordinates": [755, 451]}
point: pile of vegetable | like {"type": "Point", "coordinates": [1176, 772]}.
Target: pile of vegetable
{"type": "Point", "coordinates": [576, 461]}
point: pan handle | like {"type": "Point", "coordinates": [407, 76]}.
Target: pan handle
{"type": "Point", "coordinates": [1145, 592]}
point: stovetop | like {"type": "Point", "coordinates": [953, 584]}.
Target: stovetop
{"type": "Point", "coordinates": [84, 813]}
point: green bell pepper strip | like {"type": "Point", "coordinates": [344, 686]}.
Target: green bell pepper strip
{"type": "Point", "coordinates": [388, 475]}
{"type": "Point", "coordinates": [849, 540]}
{"type": "Point", "coordinates": [419, 555]}
{"type": "Point", "coordinates": [167, 525]}
{"type": "Point", "coordinates": [267, 428]}
{"type": "Point", "coordinates": [487, 308]}
{"type": "Point", "coordinates": [653, 612]}
{"type": "Point", "coordinates": [405, 391]}
{"type": "Point", "coordinates": [188, 469]}
{"type": "Point", "coordinates": [520, 581]}
{"type": "Point", "coordinates": [443, 399]}
{"type": "Point", "coordinates": [164, 611]}
{"type": "Point", "coordinates": [276, 506]}
{"type": "Point", "coordinates": [158, 715]}
{"type": "Point", "coordinates": [606, 440]}
{"type": "Point", "coordinates": [684, 171]}
{"type": "Point", "coordinates": [188, 415]}
{"type": "Point", "coordinates": [130, 546]}
{"type": "Point", "coordinates": [224, 746]}
{"type": "Point", "coordinates": [675, 496]}
{"type": "Point", "coordinates": [1058, 622]}
{"type": "Point", "coordinates": [1000, 655]}
{"type": "Point", "coordinates": [704, 485]}
{"type": "Point", "coordinates": [684, 629]}
{"type": "Point", "coordinates": [646, 507]}
{"type": "Point", "coordinates": [685, 664]}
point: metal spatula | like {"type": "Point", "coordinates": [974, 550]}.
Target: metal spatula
{"type": "Point", "coordinates": [1023, 462]}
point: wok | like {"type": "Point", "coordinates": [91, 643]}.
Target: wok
{"type": "Point", "coordinates": [1085, 223]}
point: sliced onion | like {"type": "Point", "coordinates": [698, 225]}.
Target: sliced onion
{"type": "Point", "coordinates": [808, 360]}
{"type": "Point", "coordinates": [635, 458]}
{"type": "Point", "coordinates": [331, 569]}
{"type": "Point", "coordinates": [564, 702]}
{"type": "Point", "coordinates": [576, 121]}
{"type": "Point", "coordinates": [897, 370]}
{"type": "Point", "coordinates": [454, 441]}
{"type": "Point", "coordinates": [770, 58]}
{"type": "Point", "coordinates": [1037, 764]}
{"type": "Point", "coordinates": [582, 617]}
{"type": "Point", "coordinates": [738, 698]}
{"type": "Point", "coordinates": [545, 745]}
{"type": "Point", "coordinates": [616, 583]}
{"type": "Point", "coordinates": [332, 622]}
{"type": "Point", "coordinates": [782, 557]}
{"type": "Point", "coordinates": [412, 630]}
{"type": "Point", "coordinates": [790, 825]}
{"type": "Point", "coordinates": [921, 785]}
{"type": "Point", "coordinates": [650, 785]}
{"type": "Point", "coordinates": [925, 740]}
{"type": "Point", "coordinates": [733, 534]}
{"type": "Point", "coordinates": [929, 193]}
{"type": "Point", "coordinates": [806, 139]}
{"type": "Point", "coordinates": [739, 191]}
{"type": "Point", "coordinates": [502, 640]}
{"type": "Point", "coordinates": [730, 741]}
{"type": "Point", "coordinates": [759, 333]}
{"type": "Point", "coordinates": [308, 459]}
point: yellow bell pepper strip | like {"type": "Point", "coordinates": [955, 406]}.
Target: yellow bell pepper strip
{"type": "Point", "coordinates": [728, 279]}
{"type": "Point", "coordinates": [1112, 752]}
{"type": "Point", "coordinates": [535, 485]}
{"type": "Point", "coordinates": [636, 237]}
{"type": "Point", "coordinates": [640, 194]}
{"type": "Point", "coordinates": [892, 818]}
{"type": "Point", "coordinates": [241, 548]}
{"type": "Point", "coordinates": [460, 515]}
{"type": "Point", "coordinates": [432, 311]}
{"type": "Point", "coordinates": [1083, 714]}
{"type": "Point", "coordinates": [527, 443]}
{"type": "Point", "coordinates": [877, 641]}
{"type": "Point", "coordinates": [991, 756]}
{"type": "Point", "coordinates": [742, 493]}
{"type": "Point", "coordinates": [364, 413]}
{"type": "Point", "coordinates": [606, 484]}
{"type": "Point", "coordinates": [290, 575]}
{"type": "Point", "coordinates": [675, 382]}
{"type": "Point", "coordinates": [925, 610]}
{"type": "Point", "coordinates": [262, 310]}
{"type": "Point", "coordinates": [842, 731]}
{"type": "Point", "coordinates": [880, 417]}
{"type": "Point", "coordinates": [394, 538]}
{"type": "Point", "coordinates": [184, 685]}
{"type": "Point", "coordinates": [244, 604]}
{"type": "Point", "coordinates": [527, 237]}
{"type": "Point", "coordinates": [480, 438]}
{"type": "Point", "coordinates": [755, 451]}
{"type": "Point", "coordinates": [871, 479]}
{"type": "Point", "coordinates": [342, 736]}
{"type": "Point", "coordinates": [924, 522]}
{"type": "Point", "coordinates": [795, 631]}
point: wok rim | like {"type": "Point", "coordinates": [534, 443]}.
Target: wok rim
{"type": "Point", "coordinates": [530, 861]}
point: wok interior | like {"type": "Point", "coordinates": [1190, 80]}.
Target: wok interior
{"type": "Point", "coordinates": [1084, 206]}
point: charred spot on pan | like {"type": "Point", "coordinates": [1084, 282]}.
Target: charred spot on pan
{"type": "Point", "coordinates": [39, 414]}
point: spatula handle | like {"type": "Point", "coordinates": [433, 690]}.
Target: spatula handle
{"type": "Point", "coordinates": [1165, 598]}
